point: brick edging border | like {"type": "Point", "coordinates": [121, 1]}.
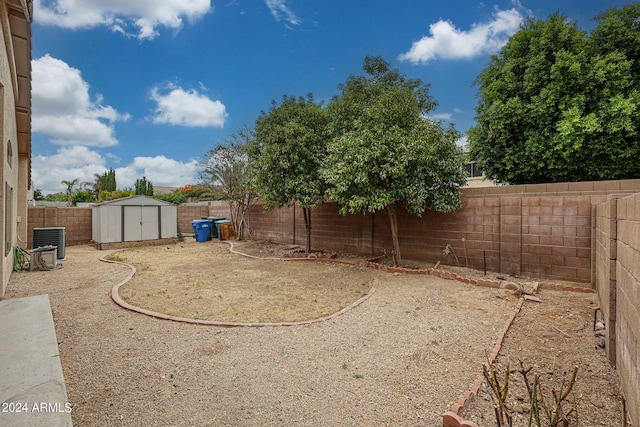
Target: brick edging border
{"type": "Point", "coordinates": [452, 417]}
{"type": "Point", "coordinates": [449, 275]}
{"type": "Point", "coordinates": [115, 296]}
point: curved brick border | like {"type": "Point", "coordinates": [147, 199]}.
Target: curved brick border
{"type": "Point", "coordinates": [452, 417]}
{"type": "Point", "coordinates": [312, 255]}
{"type": "Point", "coordinates": [115, 296]}
{"type": "Point", "coordinates": [443, 274]}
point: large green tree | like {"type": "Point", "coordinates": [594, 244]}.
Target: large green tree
{"type": "Point", "coordinates": [286, 153]}
{"type": "Point", "coordinates": [226, 168]}
{"type": "Point", "coordinates": [550, 109]}
{"type": "Point", "coordinates": [385, 154]}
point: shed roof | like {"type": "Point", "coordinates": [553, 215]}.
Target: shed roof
{"type": "Point", "coordinates": [135, 201]}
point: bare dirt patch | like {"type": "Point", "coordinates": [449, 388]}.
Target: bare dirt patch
{"type": "Point", "coordinates": [204, 281]}
{"type": "Point", "coordinates": [552, 337]}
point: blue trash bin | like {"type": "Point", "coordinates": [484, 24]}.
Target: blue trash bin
{"type": "Point", "coordinates": [201, 229]}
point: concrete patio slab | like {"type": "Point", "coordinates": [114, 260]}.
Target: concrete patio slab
{"type": "Point", "coordinates": [32, 387]}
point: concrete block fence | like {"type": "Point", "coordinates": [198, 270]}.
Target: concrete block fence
{"type": "Point", "coordinates": [605, 251]}
{"type": "Point", "coordinates": [187, 213]}
{"type": "Point", "coordinates": [617, 277]}
{"type": "Point", "coordinates": [77, 222]}
{"type": "Point", "coordinates": [542, 230]}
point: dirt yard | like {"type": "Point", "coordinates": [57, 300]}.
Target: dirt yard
{"type": "Point", "coordinates": [207, 282]}
{"type": "Point", "coordinates": [402, 357]}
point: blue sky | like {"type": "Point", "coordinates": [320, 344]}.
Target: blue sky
{"type": "Point", "coordinates": [147, 87]}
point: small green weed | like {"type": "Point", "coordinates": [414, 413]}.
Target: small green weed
{"type": "Point", "coordinates": [114, 257]}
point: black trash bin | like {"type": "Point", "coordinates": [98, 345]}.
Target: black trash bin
{"type": "Point", "coordinates": [214, 228]}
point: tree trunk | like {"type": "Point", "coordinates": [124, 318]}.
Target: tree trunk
{"type": "Point", "coordinates": [393, 220]}
{"type": "Point", "coordinates": [242, 220]}
{"type": "Point", "coordinates": [237, 210]}
{"type": "Point", "coordinates": [307, 225]}
{"type": "Point", "coordinates": [233, 212]}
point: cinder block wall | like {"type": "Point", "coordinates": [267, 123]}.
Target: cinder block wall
{"type": "Point", "coordinates": [627, 329]}
{"type": "Point", "coordinates": [617, 277]}
{"type": "Point", "coordinates": [187, 213]}
{"type": "Point", "coordinates": [77, 222]}
{"type": "Point", "coordinates": [541, 230]}
{"type": "Point", "coordinates": [556, 235]}
{"type": "Point", "coordinates": [605, 245]}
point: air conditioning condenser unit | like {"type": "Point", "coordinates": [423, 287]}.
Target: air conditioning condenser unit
{"type": "Point", "coordinates": [50, 236]}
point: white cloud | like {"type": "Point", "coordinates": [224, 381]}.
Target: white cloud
{"type": "Point", "coordinates": [518, 5]}
{"type": "Point", "coordinates": [182, 107]}
{"type": "Point", "coordinates": [448, 42]}
{"type": "Point", "coordinates": [279, 10]}
{"type": "Point", "coordinates": [441, 116]}
{"type": "Point", "coordinates": [160, 170]}
{"type": "Point", "coordinates": [144, 16]}
{"type": "Point", "coordinates": [63, 109]}
{"type": "Point", "coordinates": [68, 163]}
{"type": "Point", "coordinates": [462, 141]}
{"type": "Point", "coordinates": [81, 162]}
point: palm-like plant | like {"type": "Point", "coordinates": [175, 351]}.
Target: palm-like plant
{"type": "Point", "coordinates": [97, 185]}
{"type": "Point", "coordinates": [70, 187]}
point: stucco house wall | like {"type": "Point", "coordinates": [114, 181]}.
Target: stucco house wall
{"type": "Point", "coordinates": [15, 129]}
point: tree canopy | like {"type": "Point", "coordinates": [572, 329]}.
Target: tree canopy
{"type": "Point", "coordinates": [384, 153]}
{"type": "Point", "coordinates": [558, 104]}
{"type": "Point", "coordinates": [619, 31]}
{"type": "Point", "coordinates": [286, 154]}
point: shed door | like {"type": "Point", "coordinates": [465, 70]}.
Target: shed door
{"type": "Point", "coordinates": [140, 223]}
{"type": "Point", "coordinates": [149, 223]}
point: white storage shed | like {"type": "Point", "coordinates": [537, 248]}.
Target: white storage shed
{"type": "Point", "coordinates": [132, 219]}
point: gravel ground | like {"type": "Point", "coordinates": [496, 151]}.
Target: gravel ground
{"type": "Point", "coordinates": [401, 358]}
